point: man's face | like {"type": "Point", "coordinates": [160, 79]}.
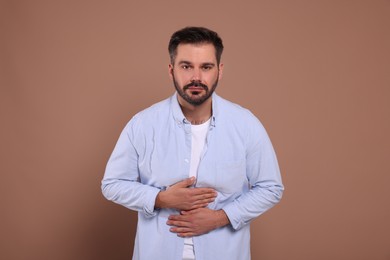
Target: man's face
{"type": "Point", "coordinates": [195, 72]}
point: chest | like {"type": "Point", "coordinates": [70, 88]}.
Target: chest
{"type": "Point", "coordinates": [165, 158]}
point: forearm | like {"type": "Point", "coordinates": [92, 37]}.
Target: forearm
{"type": "Point", "coordinates": [131, 194]}
{"type": "Point", "coordinates": [252, 204]}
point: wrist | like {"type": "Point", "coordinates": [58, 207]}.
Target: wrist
{"type": "Point", "coordinates": [222, 219]}
{"type": "Point", "coordinates": [159, 202]}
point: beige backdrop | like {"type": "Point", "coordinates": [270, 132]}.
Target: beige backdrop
{"type": "Point", "coordinates": [317, 73]}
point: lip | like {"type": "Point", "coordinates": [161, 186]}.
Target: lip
{"type": "Point", "coordinates": [195, 88]}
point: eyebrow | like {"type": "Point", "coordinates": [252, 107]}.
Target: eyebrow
{"type": "Point", "coordinates": [203, 64]}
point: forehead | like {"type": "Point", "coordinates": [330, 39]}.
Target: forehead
{"type": "Point", "coordinates": [203, 52]}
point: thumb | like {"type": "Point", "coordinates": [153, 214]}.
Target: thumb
{"type": "Point", "coordinates": [186, 182]}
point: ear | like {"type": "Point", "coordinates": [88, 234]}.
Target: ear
{"type": "Point", "coordinates": [220, 71]}
{"type": "Point", "coordinates": [170, 70]}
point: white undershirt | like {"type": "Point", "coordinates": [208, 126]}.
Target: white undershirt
{"type": "Point", "coordinates": [198, 140]}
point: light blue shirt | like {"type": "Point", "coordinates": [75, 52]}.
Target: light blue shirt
{"type": "Point", "coordinates": [238, 161]}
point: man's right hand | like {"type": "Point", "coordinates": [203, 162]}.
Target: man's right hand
{"type": "Point", "coordinates": [180, 196]}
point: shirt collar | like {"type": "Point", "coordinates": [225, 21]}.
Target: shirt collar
{"type": "Point", "coordinates": [178, 113]}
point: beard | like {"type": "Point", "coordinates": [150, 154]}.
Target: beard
{"type": "Point", "coordinates": [194, 98]}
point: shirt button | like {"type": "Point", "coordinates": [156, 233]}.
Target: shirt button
{"type": "Point", "coordinates": [187, 161]}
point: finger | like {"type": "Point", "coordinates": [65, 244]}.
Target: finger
{"type": "Point", "coordinates": [207, 196]}
{"type": "Point", "coordinates": [204, 191]}
{"type": "Point", "coordinates": [202, 200]}
{"type": "Point", "coordinates": [177, 218]}
{"type": "Point", "coordinates": [182, 232]}
{"type": "Point", "coordinates": [178, 224]}
{"type": "Point", "coordinates": [198, 206]}
{"type": "Point", "coordinates": [186, 234]}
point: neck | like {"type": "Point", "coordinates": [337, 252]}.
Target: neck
{"type": "Point", "coordinates": [196, 114]}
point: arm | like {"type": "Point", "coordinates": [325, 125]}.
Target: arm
{"type": "Point", "coordinates": [266, 190]}
{"type": "Point", "coordinates": [121, 183]}
{"type": "Point", "coordinates": [264, 178]}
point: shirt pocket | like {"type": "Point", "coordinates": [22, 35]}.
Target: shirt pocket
{"type": "Point", "coordinates": [231, 177]}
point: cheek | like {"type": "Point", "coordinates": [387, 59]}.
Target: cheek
{"type": "Point", "coordinates": [211, 79]}
{"type": "Point", "coordinates": [182, 78]}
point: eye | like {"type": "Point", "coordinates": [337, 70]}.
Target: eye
{"type": "Point", "coordinates": [207, 67]}
{"type": "Point", "coordinates": [185, 67]}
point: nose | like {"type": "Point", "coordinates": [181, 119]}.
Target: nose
{"type": "Point", "coordinates": [196, 75]}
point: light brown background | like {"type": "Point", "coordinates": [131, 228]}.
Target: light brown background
{"type": "Point", "coordinates": [316, 73]}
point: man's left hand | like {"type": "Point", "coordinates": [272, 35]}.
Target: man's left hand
{"type": "Point", "coordinates": [197, 222]}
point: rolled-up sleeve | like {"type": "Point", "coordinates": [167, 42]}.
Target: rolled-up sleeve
{"type": "Point", "coordinates": [264, 177]}
{"type": "Point", "coordinates": [121, 183]}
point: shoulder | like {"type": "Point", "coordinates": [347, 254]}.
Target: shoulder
{"type": "Point", "coordinates": [150, 116]}
{"type": "Point", "coordinates": [232, 112]}
{"type": "Point", "coordinates": [154, 110]}
{"type": "Point", "coordinates": [244, 123]}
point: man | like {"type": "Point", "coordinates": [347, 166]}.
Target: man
{"type": "Point", "coordinates": [195, 166]}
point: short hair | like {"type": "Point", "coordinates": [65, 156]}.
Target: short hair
{"type": "Point", "coordinates": [195, 35]}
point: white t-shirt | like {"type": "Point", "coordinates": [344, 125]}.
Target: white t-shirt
{"type": "Point", "coordinates": [198, 140]}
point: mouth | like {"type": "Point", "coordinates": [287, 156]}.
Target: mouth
{"type": "Point", "coordinates": [195, 87]}
{"type": "Point", "coordinates": [196, 90]}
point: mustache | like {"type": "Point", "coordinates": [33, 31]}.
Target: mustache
{"type": "Point", "coordinates": [195, 84]}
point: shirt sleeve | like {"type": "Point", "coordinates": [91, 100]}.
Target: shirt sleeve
{"type": "Point", "coordinates": [121, 181]}
{"type": "Point", "coordinates": [264, 177]}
